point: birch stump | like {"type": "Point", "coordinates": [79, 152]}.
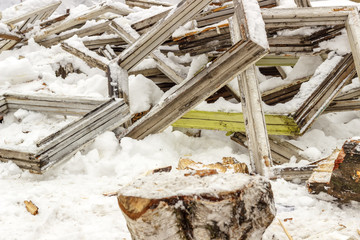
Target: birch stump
{"type": "Point", "coordinates": [175, 206]}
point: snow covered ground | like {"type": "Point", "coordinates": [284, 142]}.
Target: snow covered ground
{"type": "Point", "coordinates": [70, 197]}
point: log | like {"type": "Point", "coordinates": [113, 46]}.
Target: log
{"type": "Point", "coordinates": [174, 206]}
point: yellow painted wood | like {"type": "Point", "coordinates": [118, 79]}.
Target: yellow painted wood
{"type": "Point", "coordinates": [234, 122]}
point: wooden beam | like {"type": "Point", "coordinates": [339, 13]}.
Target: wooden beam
{"type": "Point", "coordinates": [256, 132]}
{"type": "Point", "coordinates": [353, 31]}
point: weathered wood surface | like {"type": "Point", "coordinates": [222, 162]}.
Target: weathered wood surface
{"type": "Point", "coordinates": [146, 3]}
{"type": "Point", "coordinates": [90, 60]}
{"type": "Point", "coordinates": [82, 32]}
{"type": "Point", "coordinates": [32, 17]}
{"type": "Point", "coordinates": [99, 116]}
{"type": "Point", "coordinates": [320, 178]}
{"type": "Point", "coordinates": [193, 91]}
{"type": "Point", "coordinates": [70, 23]}
{"type": "Point", "coordinates": [294, 174]}
{"type": "Point", "coordinates": [353, 31]}
{"type": "Point", "coordinates": [325, 92]}
{"type": "Point", "coordinates": [281, 151]}
{"type": "Point", "coordinates": [198, 214]}
{"type": "Point", "coordinates": [164, 64]}
{"type": "Point", "coordinates": [303, 3]}
{"type": "Point", "coordinates": [51, 104]}
{"type": "Point", "coordinates": [160, 32]}
{"type": "Point", "coordinates": [256, 132]}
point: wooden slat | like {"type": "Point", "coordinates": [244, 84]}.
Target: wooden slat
{"type": "Point", "coordinates": [48, 9]}
{"type": "Point", "coordinates": [193, 91]}
{"type": "Point", "coordinates": [234, 122]}
{"type": "Point", "coordinates": [88, 31]}
{"type": "Point", "coordinates": [353, 31]}
{"type": "Point", "coordinates": [160, 32]}
{"type": "Point", "coordinates": [325, 93]}
{"type": "Point", "coordinates": [91, 61]}
{"type": "Point", "coordinates": [72, 22]}
{"type": "Point", "coordinates": [162, 62]}
{"type": "Point", "coordinates": [281, 151]}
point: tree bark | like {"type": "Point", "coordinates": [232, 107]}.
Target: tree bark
{"type": "Point", "coordinates": [221, 206]}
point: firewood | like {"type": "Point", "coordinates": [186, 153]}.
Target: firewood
{"type": "Point", "coordinates": [31, 207]}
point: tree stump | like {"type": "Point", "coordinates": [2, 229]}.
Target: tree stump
{"type": "Point", "coordinates": [175, 206]}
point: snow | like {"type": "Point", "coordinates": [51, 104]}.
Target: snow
{"type": "Point", "coordinates": [24, 8]}
{"type": "Point", "coordinates": [143, 93]}
{"type": "Point", "coordinates": [22, 129]}
{"type": "Point", "coordinates": [70, 197]}
{"type": "Point", "coordinates": [164, 185]}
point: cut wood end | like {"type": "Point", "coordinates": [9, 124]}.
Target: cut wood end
{"type": "Point", "coordinates": [134, 207]}
{"type": "Point", "coordinates": [358, 231]}
{"type": "Point", "coordinates": [31, 207]}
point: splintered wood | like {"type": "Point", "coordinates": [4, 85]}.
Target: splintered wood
{"type": "Point", "coordinates": [228, 163]}
{"type": "Point", "coordinates": [31, 207]}
{"type": "Point", "coordinates": [339, 175]}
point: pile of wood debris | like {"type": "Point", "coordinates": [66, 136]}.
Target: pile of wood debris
{"type": "Point", "coordinates": [238, 38]}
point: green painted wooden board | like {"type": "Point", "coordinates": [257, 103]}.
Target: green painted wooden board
{"type": "Point", "coordinates": [234, 122]}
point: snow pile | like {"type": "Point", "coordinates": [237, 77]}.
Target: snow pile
{"type": "Point", "coordinates": [143, 93]}
{"type": "Point", "coordinates": [256, 25]}
{"type": "Point", "coordinates": [24, 7]}
{"type": "Point", "coordinates": [22, 129]}
{"type": "Point", "coordinates": [15, 71]}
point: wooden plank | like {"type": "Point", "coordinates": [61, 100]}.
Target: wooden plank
{"type": "Point", "coordinates": [164, 64]}
{"type": "Point", "coordinates": [353, 31]}
{"type": "Point", "coordinates": [160, 32]}
{"type": "Point", "coordinates": [325, 93]}
{"type": "Point", "coordinates": [72, 22]}
{"type": "Point", "coordinates": [294, 173]}
{"type": "Point", "coordinates": [64, 150]}
{"type": "Point", "coordinates": [48, 9]}
{"type": "Point", "coordinates": [281, 151]}
{"type": "Point", "coordinates": [343, 106]}
{"type": "Point", "coordinates": [64, 133]}
{"type": "Point", "coordinates": [256, 132]}
{"type": "Point", "coordinates": [303, 3]}
{"type": "Point", "coordinates": [276, 125]}
{"type": "Point", "coordinates": [146, 3]}
{"type": "Point", "coordinates": [82, 32]}
{"type": "Point", "coordinates": [150, 21]}
{"type": "Point", "coordinates": [91, 61]}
